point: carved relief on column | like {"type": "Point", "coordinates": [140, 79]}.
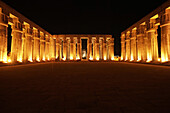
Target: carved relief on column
{"type": "Point", "coordinates": [94, 48]}
{"type": "Point", "coordinates": [133, 56]}
{"type": "Point", "coordinates": [101, 55]}
{"type": "Point", "coordinates": [75, 48]}
{"type": "Point", "coordinates": [16, 47]}
{"type": "Point", "coordinates": [97, 49]}
{"type": "Point", "coordinates": [3, 36]}
{"type": "Point", "coordinates": [42, 46]}
{"type": "Point", "coordinates": [127, 46]}
{"type": "Point", "coordinates": [111, 48]}
{"type": "Point", "coordinates": [36, 50]}
{"type": "Point", "coordinates": [108, 48]}
{"type": "Point", "coordinates": [123, 47]}
{"type": "Point", "coordinates": [165, 35]}
{"type": "Point", "coordinates": [28, 42]}
{"type": "Point", "coordinates": [152, 39]}
{"type": "Point", "coordinates": [68, 48]}
{"type": "Point", "coordinates": [47, 46]}
{"type": "Point", "coordinates": [51, 48]}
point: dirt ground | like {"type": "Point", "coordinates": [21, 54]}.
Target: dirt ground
{"type": "Point", "coordinates": [85, 87]}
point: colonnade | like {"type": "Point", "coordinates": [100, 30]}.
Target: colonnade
{"type": "Point", "coordinates": [148, 40]}
{"type": "Point", "coordinates": [21, 40]}
{"type": "Point", "coordinates": [28, 43]}
{"type": "Point", "coordinates": [98, 47]}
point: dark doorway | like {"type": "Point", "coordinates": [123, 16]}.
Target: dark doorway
{"type": "Point", "coordinates": [159, 41]}
{"type": "Point", "coordinates": [9, 40]}
{"type": "Point", "coordinates": [84, 48]}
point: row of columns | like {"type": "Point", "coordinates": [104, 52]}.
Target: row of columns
{"type": "Point", "coordinates": [141, 42]}
{"type": "Point", "coordinates": [27, 43]}
{"type": "Point", "coordinates": [98, 48]}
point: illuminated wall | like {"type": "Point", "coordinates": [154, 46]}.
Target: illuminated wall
{"type": "Point", "coordinates": [139, 43]}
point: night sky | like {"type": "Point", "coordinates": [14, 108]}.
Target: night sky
{"type": "Point", "coordinates": [85, 16]}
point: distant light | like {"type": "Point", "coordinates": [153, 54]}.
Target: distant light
{"type": "Point", "coordinates": [9, 60]}
{"type": "Point", "coordinates": [105, 58]}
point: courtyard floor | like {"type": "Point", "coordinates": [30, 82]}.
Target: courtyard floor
{"type": "Point", "coordinates": [85, 87]}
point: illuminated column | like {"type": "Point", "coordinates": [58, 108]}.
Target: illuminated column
{"type": "Point", "coordinates": [3, 36]}
{"type": "Point", "coordinates": [123, 47]}
{"type": "Point", "coordinates": [127, 46]}
{"type": "Point", "coordinates": [52, 47]}
{"type": "Point", "coordinates": [57, 47]}
{"type": "Point", "coordinates": [90, 49]}
{"type": "Point", "coordinates": [141, 42]}
{"type": "Point", "coordinates": [133, 45]}
{"type": "Point", "coordinates": [111, 47]}
{"type": "Point", "coordinates": [165, 36]}
{"type": "Point", "coordinates": [16, 47]}
{"type": "Point", "coordinates": [108, 48]}
{"type": "Point", "coordinates": [78, 48]}
{"type": "Point", "coordinates": [61, 48]}
{"type": "Point", "coordinates": [47, 45]}
{"type": "Point", "coordinates": [28, 42]}
{"type": "Point", "coordinates": [75, 48]}
{"type": "Point", "coordinates": [97, 49]}
{"type": "Point", "coordinates": [152, 40]}
{"type": "Point", "coordinates": [36, 49]}
{"type": "Point", "coordinates": [68, 48]}
{"type": "Point", "coordinates": [71, 48]}
{"type": "Point", "coordinates": [93, 47]}
{"type": "Point", "coordinates": [101, 48]}
{"type": "Point", "coordinates": [42, 46]}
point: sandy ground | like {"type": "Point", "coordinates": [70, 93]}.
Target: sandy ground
{"type": "Point", "coordinates": [85, 87]}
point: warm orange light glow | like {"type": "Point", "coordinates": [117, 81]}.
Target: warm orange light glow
{"type": "Point", "coordinates": [105, 58]}
{"type": "Point", "coordinates": [112, 58]}
{"type": "Point", "coordinates": [97, 58]}
{"type": "Point", "coordinates": [64, 59]}
{"type": "Point", "coordinates": [30, 60]}
{"type": "Point", "coordinates": [138, 60]}
{"type": "Point", "coordinates": [71, 57]}
{"type": "Point", "coordinates": [38, 60]}
{"type": "Point", "coordinates": [9, 60]}
{"type": "Point", "coordinates": [159, 59]}
{"type": "Point", "coordinates": [164, 59]}
{"type": "Point", "coordinates": [91, 58]}
{"type": "Point", "coordinates": [77, 58]}
{"type": "Point", "coordinates": [43, 59]}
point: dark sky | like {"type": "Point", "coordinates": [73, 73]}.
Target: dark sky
{"type": "Point", "coordinates": [85, 16]}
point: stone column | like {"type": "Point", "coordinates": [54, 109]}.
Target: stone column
{"type": "Point", "coordinates": [3, 36]}
{"type": "Point", "coordinates": [101, 48]}
{"type": "Point", "coordinates": [74, 48]}
{"type": "Point", "coordinates": [165, 36]}
{"type": "Point", "coordinates": [78, 48]}
{"type": "Point", "coordinates": [36, 50]}
{"type": "Point", "coordinates": [16, 47]}
{"type": "Point", "coordinates": [152, 41]}
{"type": "Point", "coordinates": [93, 47]}
{"type": "Point", "coordinates": [42, 46]}
{"type": "Point", "coordinates": [97, 49]}
{"type": "Point", "coordinates": [68, 48]}
{"type": "Point", "coordinates": [52, 47]}
{"type": "Point", "coordinates": [123, 47]}
{"type": "Point", "coordinates": [57, 47]}
{"type": "Point", "coordinates": [127, 46]}
{"type": "Point", "coordinates": [28, 43]}
{"type": "Point", "coordinates": [47, 46]}
{"type": "Point", "coordinates": [108, 48]}
{"type": "Point", "coordinates": [133, 45]}
{"type": "Point", "coordinates": [111, 46]}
